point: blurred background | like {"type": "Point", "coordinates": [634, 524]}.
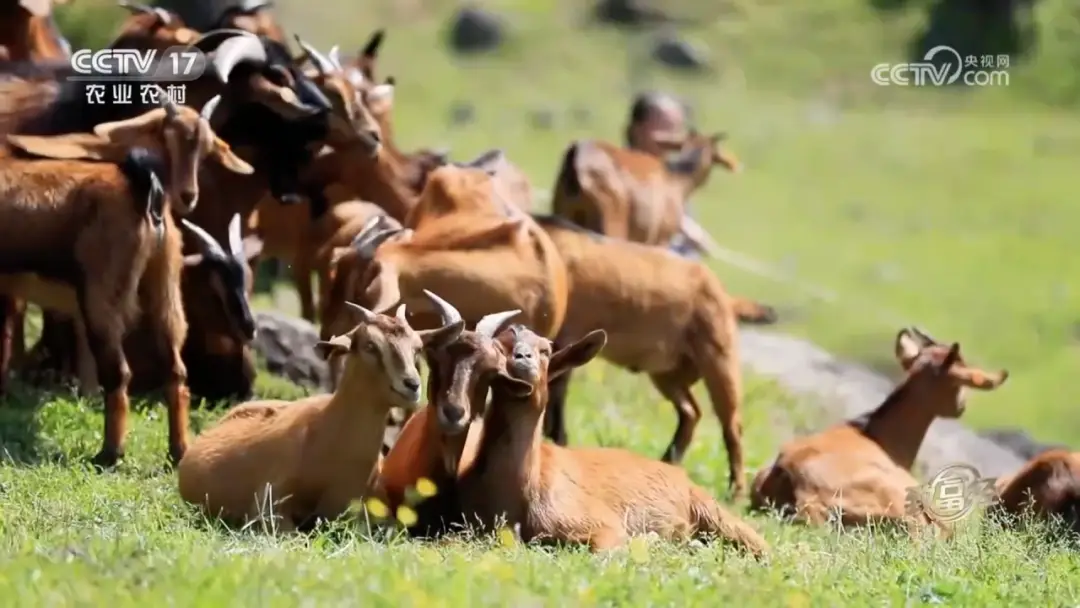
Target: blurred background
{"type": "Point", "coordinates": [863, 208]}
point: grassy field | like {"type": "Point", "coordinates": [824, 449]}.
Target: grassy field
{"type": "Point", "coordinates": [949, 210]}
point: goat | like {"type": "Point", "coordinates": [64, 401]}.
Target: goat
{"type": "Point", "coordinates": [593, 496]}
{"type": "Point", "coordinates": [866, 472]}
{"type": "Point", "coordinates": [76, 225]}
{"type": "Point", "coordinates": [1048, 485]}
{"type": "Point", "coordinates": [495, 262]}
{"type": "Point", "coordinates": [664, 315]}
{"type": "Point", "coordinates": [440, 440]}
{"type": "Point", "coordinates": [288, 235]}
{"type": "Point", "coordinates": [629, 194]}
{"type": "Point", "coordinates": [28, 32]}
{"type": "Point", "coordinates": [313, 457]}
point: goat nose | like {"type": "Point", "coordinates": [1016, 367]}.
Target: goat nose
{"type": "Point", "coordinates": [453, 415]}
{"type": "Point", "coordinates": [522, 354]}
{"type": "Point", "coordinates": [413, 384]}
{"type": "Point", "coordinates": [189, 198]}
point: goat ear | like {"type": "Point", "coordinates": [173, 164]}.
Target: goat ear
{"type": "Point", "coordinates": [438, 338]}
{"type": "Point", "coordinates": [951, 358]}
{"type": "Point", "coordinates": [228, 159]}
{"type": "Point", "coordinates": [338, 345]}
{"type": "Point", "coordinates": [979, 379]}
{"type": "Point", "coordinates": [907, 348]}
{"type": "Point", "coordinates": [128, 131]}
{"type": "Point", "coordinates": [515, 387]}
{"type": "Point", "coordinates": [577, 354]}
{"type": "Point", "coordinates": [72, 146]}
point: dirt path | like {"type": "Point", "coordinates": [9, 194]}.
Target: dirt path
{"type": "Point", "coordinates": [847, 389]}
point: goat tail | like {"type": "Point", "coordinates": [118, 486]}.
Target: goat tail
{"type": "Point", "coordinates": [755, 313]}
{"type": "Point", "coordinates": [710, 518]}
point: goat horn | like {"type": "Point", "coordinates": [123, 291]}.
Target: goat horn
{"type": "Point", "coordinates": [364, 230]}
{"type": "Point", "coordinates": [209, 245]}
{"type": "Point", "coordinates": [321, 62]}
{"type": "Point", "coordinates": [237, 49]}
{"type": "Point", "coordinates": [368, 248]}
{"type": "Point", "coordinates": [236, 242]}
{"type": "Point", "coordinates": [400, 314]}
{"type": "Point", "coordinates": [164, 16]}
{"type": "Point", "coordinates": [371, 49]}
{"type": "Point", "coordinates": [166, 102]}
{"type": "Point", "coordinates": [365, 314]}
{"type": "Point", "coordinates": [450, 315]}
{"type": "Point", "coordinates": [335, 57]}
{"type": "Point", "coordinates": [489, 324]}
{"type": "Point", "coordinates": [207, 110]}
{"type": "Point", "coordinates": [135, 7]}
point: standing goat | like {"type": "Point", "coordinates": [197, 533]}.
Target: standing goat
{"type": "Point", "coordinates": [594, 496]}
{"type": "Point", "coordinates": [312, 458]}
{"type": "Point", "coordinates": [865, 473]}
{"type": "Point", "coordinates": [664, 315]}
{"type": "Point", "coordinates": [76, 226]}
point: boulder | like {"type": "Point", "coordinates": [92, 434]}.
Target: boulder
{"type": "Point", "coordinates": [287, 345]}
{"type": "Point", "coordinates": [671, 51]}
{"type": "Point", "coordinates": [475, 30]}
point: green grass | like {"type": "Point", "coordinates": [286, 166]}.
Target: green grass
{"type": "Point", "coordinates": [69, 536]}
{"type": "Point", "coordinates": [949, 210]}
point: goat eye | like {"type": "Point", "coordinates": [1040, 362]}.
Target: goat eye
{"type": "Point", "coordinates": [371, 348]}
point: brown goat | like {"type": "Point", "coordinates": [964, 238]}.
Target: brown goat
{"type": "Point", "coordinates": [629, 194]}
{"type": "Point", "coordinates": [493, 263]}
{"type": "Point", "coordinates": [1048, 485]}
{"type": "Point", "coordinates": [312, 457]}
{"type": "Point", "coordinates": [68, 217]}
{"type": "Point", "coordinates": [594, 496]}
{"type": "Point", "coordinates": [664, 315]}
{"type": "Point", "coordinates": [440, 441]}
{"type": "Point", "coordinates": [865, 473]}
{"type": "Point", "coordinates": [28, 33]}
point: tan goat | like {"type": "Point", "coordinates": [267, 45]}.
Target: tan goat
{"type": "Point", "coordinates": [76, 230]}
{"type": "Point", "coordinates": [865, 473]}
{"type": "Point", "coordinates": [311, 458]}
{"type": "Point", "coordinates": [594, 496]}
{"type": "Point", "coordinates": [1048, 485]}
{"type": "Point", "coordinates": [664, 315]}
{"type": "Point", "coordinates": [629, 194]}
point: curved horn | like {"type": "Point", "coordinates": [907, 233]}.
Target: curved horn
{"type": "Point", "coordinates": [208, 42]}
{"type": "Point", "coordinates": [400, 314]}
{"type": "Point", "coordinates": [365, 314]}
{"type": "Point", "coordinates": [450, 315]}
{"type": "Point", "coordinates": [134, 7]}
{"type": "Point", "coordinates": [321, 62]}
{"type": "Point", "coordinates": [163, 16]}
{"type": "Point", "coordinates": [335, 57]}
{"type": "Point", "coordinates": [207, 110]}
{"type": "Point", "coordinates": [367, 248]}
{"type": "Point", "coordinates": [489, 324]}
{"type": "Point", "coordinates": [364, 230]}
{"type": "Point", "coordinates": [166, 102]}
{"type": "Point", "coordinates": [237, 49]}
{"type": "Point", "coordinates": [371, 49]}
{"type": "Point", "coordinates": [236, 241]}
{"type": "Point", "coordinates": [208, 244]}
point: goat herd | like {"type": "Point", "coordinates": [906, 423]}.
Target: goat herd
{"type": "Point", "coordinates": [293, 158]}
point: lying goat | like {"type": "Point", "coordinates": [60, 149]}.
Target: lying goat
{"type": "Point", "coordinates": [864, 474]}
{"type": "Point", "coordinates": [1048, 485]}
{"type": "Point", "coordinates": [312, 458]}
{"type": "Point", "coordinates": [95, 250]}
{"type": "Point", "coordinates": [594, 496]}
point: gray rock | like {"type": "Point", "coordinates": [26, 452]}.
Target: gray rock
{"type": "Point", "coordinates": [627, 13]}
{"type": "Point", "coordinates": [287, 344]}
{"type": "Point", "coordinates": [475, 30]}
{"type": "Point", "coordinates": [1019, 442]}
{"type": "Point", "coordinates": [673, 52]}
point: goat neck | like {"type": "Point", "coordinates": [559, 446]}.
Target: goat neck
{"type": "Point", "coordinates": [900, 423]}
{"type": "Point", "coordinates": [356, 413]}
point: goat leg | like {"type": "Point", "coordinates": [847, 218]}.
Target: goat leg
{"type": "Point", "coordinates": [554, 419]}
{"type": "Point", "coordinates": [8, 317]}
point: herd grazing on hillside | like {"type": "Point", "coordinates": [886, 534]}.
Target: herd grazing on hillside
{"type": "Point", "coordinates": [135, 228]}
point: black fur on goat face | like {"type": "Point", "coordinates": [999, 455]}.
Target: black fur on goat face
{"type": "Point", "coordinates": [229, 274]}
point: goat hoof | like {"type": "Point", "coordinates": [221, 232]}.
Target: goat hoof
{"type": "Point", "coordinates": [175, 454]}
{"type": "Point", "coordinates": [106, 459]}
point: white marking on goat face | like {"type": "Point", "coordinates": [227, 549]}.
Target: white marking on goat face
{"type": "Point", "coordinates": [398, 357]}
{"type": "Point", "coordinates": [188, 142]}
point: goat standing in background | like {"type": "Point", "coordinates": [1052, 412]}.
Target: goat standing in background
{"type": "Point", "coordinates": [865, 473]}
{"type": "Point", "coordinates": [77, 230]}
{"type": "Point", "coordinates": [594, 496]}
{"type": "Point", "coordinates": [312, 458]}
